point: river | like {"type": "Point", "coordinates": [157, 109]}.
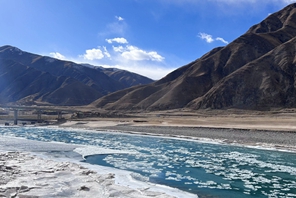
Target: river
{"type": "Point", "coordinates": [202, 168]}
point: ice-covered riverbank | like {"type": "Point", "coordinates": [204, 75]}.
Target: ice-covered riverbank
{"type": "Point", "coordinates": [40, 169]}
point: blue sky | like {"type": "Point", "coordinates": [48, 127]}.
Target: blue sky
{"type": "Point", "coordinates": [149, 37]}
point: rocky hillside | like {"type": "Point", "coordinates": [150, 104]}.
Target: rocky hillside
{"type": "Point", "coordinates": [27, 78]}
{"type": "Point", "coordinates": [255, 71]}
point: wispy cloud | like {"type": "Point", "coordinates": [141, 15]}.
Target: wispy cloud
{"type": "Point", "coordinates": [209, 38]}
{"type": "Point", "coordinates": [118, 27]}
{"type": "Point", "coordinates": [117, 40]}
{"type": "Point", "coordinates": [136, 54]}
{"type": "Point", "coordinates": [106, 53]}
{"type": "Point", "coordinates": [119, 18]}
{"type": "Point", "coordinates": [222, 40]}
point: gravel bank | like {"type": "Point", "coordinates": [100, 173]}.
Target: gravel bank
{"type": "Point", "coordinates": [278, 139]}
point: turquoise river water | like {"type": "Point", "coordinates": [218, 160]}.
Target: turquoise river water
{"type": "Point", "coordinates": [205, 169]}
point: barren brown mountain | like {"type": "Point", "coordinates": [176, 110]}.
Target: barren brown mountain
{"type": "Point", "coordinates": [28, 78]}
{"type": "Point", "coordinates": [256, 70]}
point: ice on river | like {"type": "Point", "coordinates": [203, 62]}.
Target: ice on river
{"type": "Point", "coordinates": [51, 169]}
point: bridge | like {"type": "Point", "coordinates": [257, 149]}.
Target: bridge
{"type": "Point", "coordinates": [38, 109]}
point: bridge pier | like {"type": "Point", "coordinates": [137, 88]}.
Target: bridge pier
{"type": "Point", "coordinates": [59, 115]}
{"type": "Point", "coordinates": [39, 116]}
{"type": "Point", "coordinates": [15, 116]}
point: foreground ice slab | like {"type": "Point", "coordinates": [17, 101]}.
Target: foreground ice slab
{"type": "Point", "coordinates": [26, 175]}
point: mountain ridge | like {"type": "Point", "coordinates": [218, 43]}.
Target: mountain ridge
{"type": "Point", "coordinates": [197, 83]}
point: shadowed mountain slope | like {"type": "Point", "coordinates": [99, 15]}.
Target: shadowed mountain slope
{"type": "Point", "coordinates": [253, 71]}
{"type": "Point", "coordinates": [28, 78]}
{"type": "Point", "coordinates": [28, 85]}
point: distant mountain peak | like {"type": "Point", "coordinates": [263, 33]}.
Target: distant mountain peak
{"type": "Point", "coordinates": [276, 21]}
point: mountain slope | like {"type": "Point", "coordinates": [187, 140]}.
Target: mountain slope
{"type": "Point", "coordinates": [266, 82]}
{"type": "Point", "coordinates": [202, 83]}
{"type": "Point", "coordinates": [28, 85]}
{"type": "Point", "coordinates": [77, 84]}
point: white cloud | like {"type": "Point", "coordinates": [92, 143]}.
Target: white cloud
{"type": "Point", "coordinates": [57, 55]}
{"type": "Point", "coordinates": [121, 53]}
{"type": "Point", "coordinates": [136, 54]}
{"type": "Point", "coordinates": [128, 57]}
{"type": "Point", "coordinates": [93, 54]}
{"type": "Point", "coordinates": [207, 37]}
{"type": "Point", "coordinates": [222, 40]}
{"type": "Point", "coordinates": [119, 18]}
{"type": "Point", "coordinates": [117, 40]}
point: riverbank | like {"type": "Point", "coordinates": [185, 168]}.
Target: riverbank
{"type": "Point", "coordinates": [257, 129]}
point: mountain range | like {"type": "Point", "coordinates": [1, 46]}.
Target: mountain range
{"type": "Point", "coordinates": [255, 71]}
{"type": "Point", "coordinates": [27, 79]}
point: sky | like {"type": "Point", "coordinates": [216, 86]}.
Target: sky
{"type": "Point", "coordinates": [148, 37]}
